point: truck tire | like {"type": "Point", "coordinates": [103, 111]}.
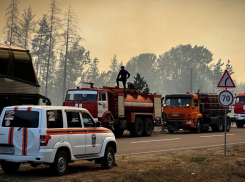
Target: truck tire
{"type": "Point", "coordinates": [109, 158]}
{"type": "Point", "coordinates": [198, 126]}
{"type": "Point", "coordinates": [10, 167]}
{"type": "Point", "coordinates": [228, 124]}
{"type": "Point", "coordinates": [239, 124]}
{"type": "Point", "coordinates": [171, 131]}
{"type": "Point", "coordinates": [220, 125]}
{"type": "Point", "coordinates": [60, 165]}
{"type": "Point", "coordinates": [118, 132]}
{"type": "Point", "coordinates": [137, 128]}
{"type": "Point", "coordinates": [148, 127]}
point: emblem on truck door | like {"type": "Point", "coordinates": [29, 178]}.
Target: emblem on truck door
{"type": "Point", "coordinates": [93, 140]}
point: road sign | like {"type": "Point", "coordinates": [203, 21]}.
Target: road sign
{"type": "Point", "coordinates": [226, 81]}
{"type": "Point", "coordinates": [225, 98]}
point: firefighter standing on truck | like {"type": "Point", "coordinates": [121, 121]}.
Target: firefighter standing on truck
{"type": "Point", "coordinates": [124, 76]}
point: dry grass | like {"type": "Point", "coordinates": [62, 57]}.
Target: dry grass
{"type": "Point", "coordinates": [187, 165]}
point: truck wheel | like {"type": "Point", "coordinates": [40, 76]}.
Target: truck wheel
{"type": "Point", "coordinates": [118, 132]}
{"type": "Point", "coordinates": [10, 167]}
{"type": "Point", "coordinates": [109, 158]}
{"type": "Point", "coordinates": [137, 128]}
{"type": "Point", "coordinates": [198, 126]}
{"type": "Point", "coordinates": [60, 165]}
{"type": "Point", "coordinates": [228, 124]}
{"type": "Point", "coordinates": [148, 127]}
{"type": "Point", "coordinates": [239, 124]}
{"type": "Point", "coordinates": [220, 124]}
{"type": "Point", "coordinates": [171, 131]}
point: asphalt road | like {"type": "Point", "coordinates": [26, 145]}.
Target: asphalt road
{"type": "Point", "coordinates": [181, 140]}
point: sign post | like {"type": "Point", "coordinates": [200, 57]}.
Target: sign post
{"type": "Point", "coordinates": [226, 97]}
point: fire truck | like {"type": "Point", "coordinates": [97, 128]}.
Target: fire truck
{"type": "Point", "coordinates": [194, 112]}
{"type": "Point", "coordinates": [239, 110]}
{"type": "Point", "coordinates": [119, 109]}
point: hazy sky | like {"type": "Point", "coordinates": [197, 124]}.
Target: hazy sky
{"type": "Point", "coordinates": [130, 27]}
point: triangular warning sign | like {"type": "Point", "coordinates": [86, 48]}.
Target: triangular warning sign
{"type": "Point", "coordinates": [226, 81]}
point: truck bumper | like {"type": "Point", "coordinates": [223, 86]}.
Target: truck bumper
{"type": "Point", "coordinates": [176, 125]}
{"type": "Point", "coordinates": [239, 117]}
{"type": "Point", "coordinates": [44, 156]}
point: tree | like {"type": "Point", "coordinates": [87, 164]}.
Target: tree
{"type": "Point", "coordinates": [12, 23]}
{"type": "Point", "coordinates": [141, 83]}
{"type": "Point", "coordinates": [174, 69]}
{"type": "Point", "coordinates": [40, 48]}
{"type": "Point", "coordinates": [217, 73]}
{"type": "Point", "coordinates": [70, 36]}
{"type": "Point", "coordinates": [27, 27]}
{"type": "Point", "coordinates": [229, 67]}
{"type": "Point", "coordinates": [92, 74]}
{"type": "Point", "coordinates": [54, 22]}
{"type": "Point", "coordinates": [145, 64]}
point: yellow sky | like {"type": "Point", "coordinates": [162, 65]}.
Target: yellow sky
{"type": "Point", "coordinates": [130, 27]}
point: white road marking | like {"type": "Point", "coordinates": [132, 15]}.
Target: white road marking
{"type": "Point", "coordinates": [178, 149]}
{"type": "Point", "coordinates": [156, 140]}
{"type": "Point", "coordinates": [215, 135]}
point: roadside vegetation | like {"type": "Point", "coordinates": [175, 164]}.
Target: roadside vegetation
{"type": "Point", "coordinates": [185, 165]}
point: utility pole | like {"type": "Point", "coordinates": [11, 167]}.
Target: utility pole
{"type": "Point", "coordinates": [191, 82]}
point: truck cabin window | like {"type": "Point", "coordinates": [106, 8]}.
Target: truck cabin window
{"type": "Point", "coordinates": [178, 102]}
{"type": "Point", "coordinates": [81, 95]}
{"type": "Point", "coordinates": [240, 100]}
{"type": "Point", "coordinates": [4, 62]}
{"type": "Point", "coordinates": [102, 96]}
{"type": "Point", "coordinates": [23, 68]}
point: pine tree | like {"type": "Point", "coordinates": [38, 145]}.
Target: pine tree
{"type": "Point", "coordinates": [40, 48]}
{"type": "Point", "coordinates": [54, 22]}
{"type": "Point", "coordinates": [27, 27]}
{"type": "Point", "coordinates": [141, 83]}
{"type": "Point", "coordinates": [229, 67]}
{"type": "Point", "coordinates": [12, 24]}
{"type": "Point", "coordinates": [70, 36]}
{"type": "Point", "coordinates": [93, 72]}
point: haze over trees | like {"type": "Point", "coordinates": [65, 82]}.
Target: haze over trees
{"type": "Point", "coordinates": [62, 62]}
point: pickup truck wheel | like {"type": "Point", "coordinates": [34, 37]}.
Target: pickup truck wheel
{"type": "Point", "coordinates": [109, 158]}
{"type": "Point", "coordinates": [148, 127]}
{"type": "Point", "coordinates": [239, 124]}
{"type": "Point", "coordinates": [60, 165]}
{"type": "Point", "coordinates": [137, 128]}
{"type": "Point", "coordinates": [10, 167]}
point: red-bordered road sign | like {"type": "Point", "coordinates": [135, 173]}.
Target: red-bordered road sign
{"type": "Point", "coordinates": [225, 98]}
{"type": "Point", "coordinates": [226, 81]}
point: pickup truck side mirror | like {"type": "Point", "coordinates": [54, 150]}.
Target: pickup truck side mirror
{"type": "Point", "coordinates": [97, 124]}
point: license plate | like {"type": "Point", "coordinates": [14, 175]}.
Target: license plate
{"type": "Point", "coordinates": [7, 151]}
{"type": "Point", "coordinates": [176, 115]}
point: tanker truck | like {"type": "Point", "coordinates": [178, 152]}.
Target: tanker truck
{"type": "Point", "coordinates": [119, 109]}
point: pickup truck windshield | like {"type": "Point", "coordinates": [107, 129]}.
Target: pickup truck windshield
{"type": "Point", "coordinates": [28, 119]}
{"type": "Point", "coordinates": [178, 102]}
{"type": "Point", "coordinates": [81, 95]}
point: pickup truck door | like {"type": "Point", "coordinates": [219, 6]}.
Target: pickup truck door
{"type": "Point", "coordinates": [93, 135]}
{"type": "Point", "coordinates": [20, 131]}
{"type": "Point", "coordinates": [76, 133]}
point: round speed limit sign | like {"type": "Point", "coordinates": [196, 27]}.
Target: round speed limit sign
{"type": "Point", "coordinates": [225, 98]}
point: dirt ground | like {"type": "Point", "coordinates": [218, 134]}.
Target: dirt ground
{"type": "Point", "coordinates": [207, 164]}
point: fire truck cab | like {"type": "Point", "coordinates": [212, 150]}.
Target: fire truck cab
{"type": "Point", "coordinates": [239, 110]}
{"type": "Point", "coordinates": [119, 109]}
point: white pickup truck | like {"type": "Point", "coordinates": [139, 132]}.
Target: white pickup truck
{"type": "Point", "coordinates": [53, 135]}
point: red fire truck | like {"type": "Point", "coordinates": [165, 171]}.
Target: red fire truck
{"type": "Point", "coordinates": [239, 110]}
{"type": "Point", "coordinates": [119, 109]}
